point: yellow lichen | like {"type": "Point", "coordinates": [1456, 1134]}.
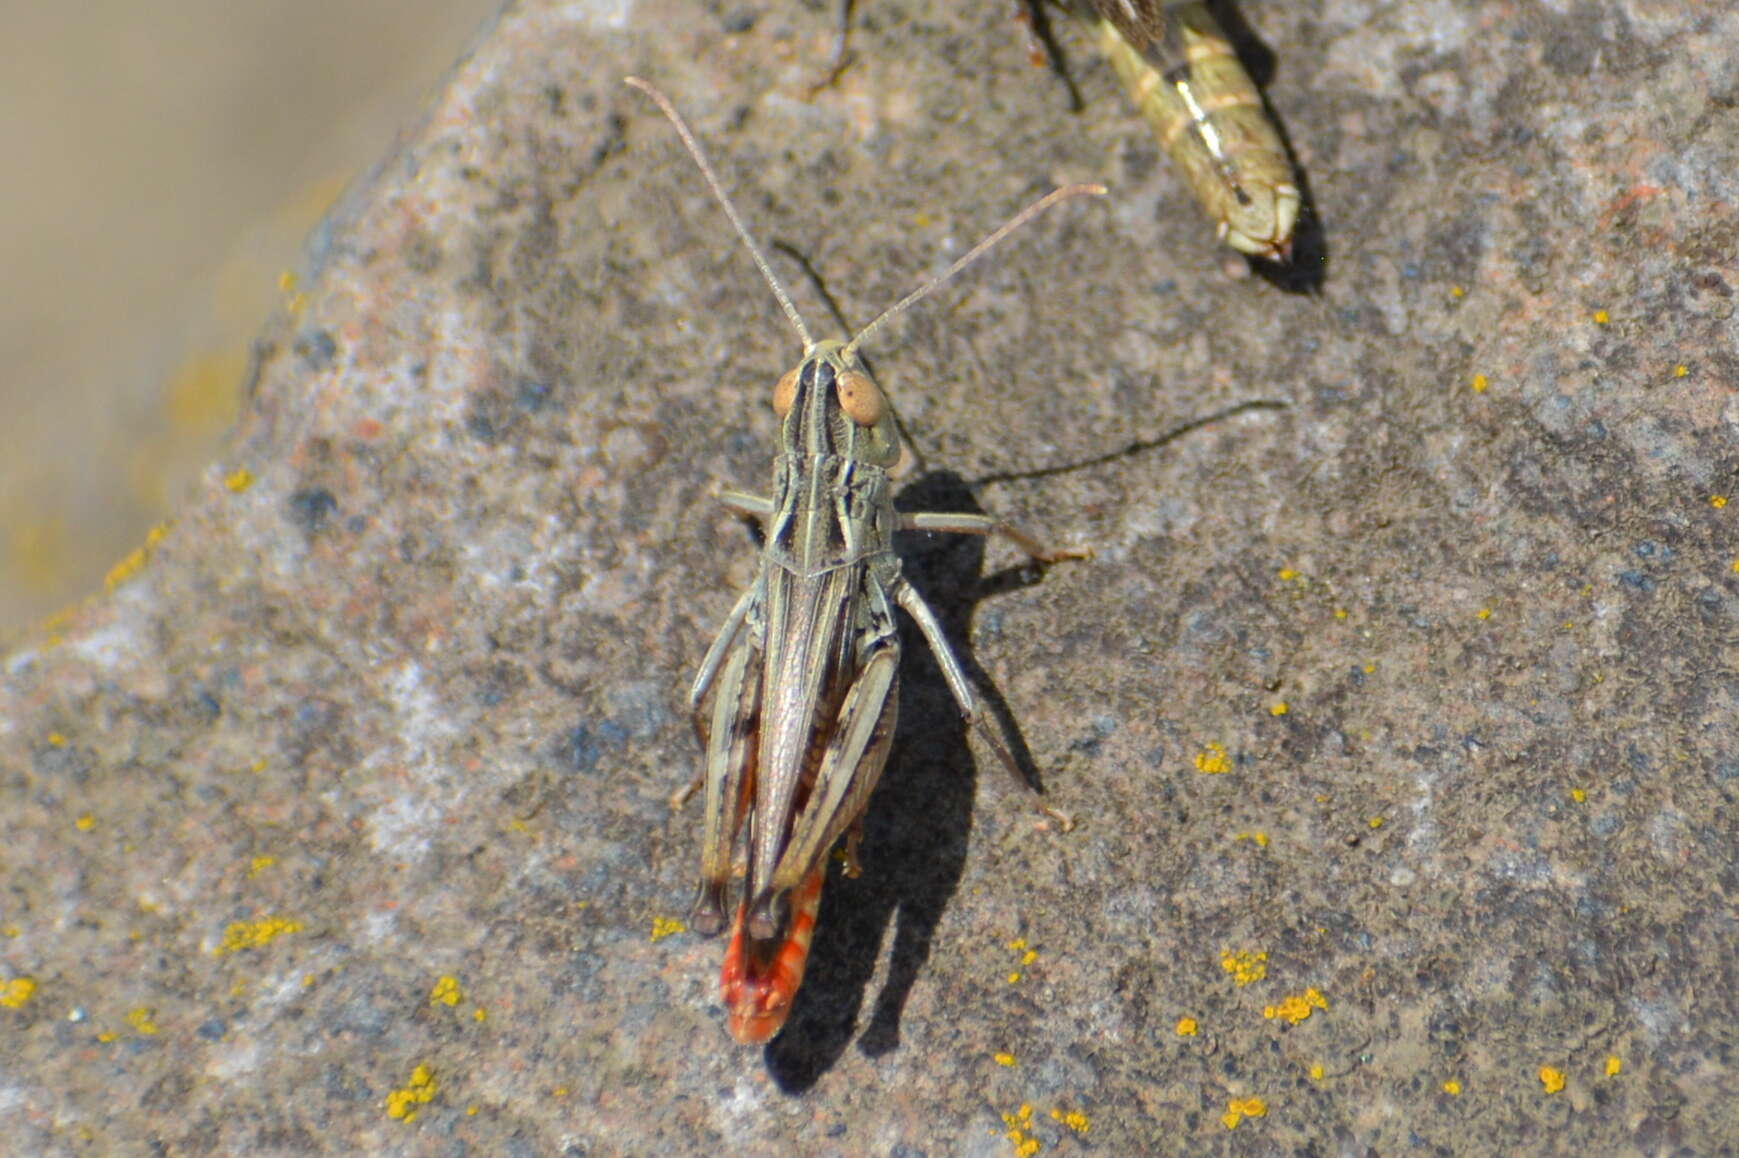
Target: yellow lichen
{"type": "Point", "coordinates": [1457, 292]}
{"type": "Point", "coordinates": [419, 1091]}
{"type": "Point", "coordinates": [1244, 966]}
{"type": "Point", "coordinates": [1578, 795]}
{"type": "Point", "coordinates": [663, 927]}
{"type": "Point", "coordinates": [1484, 613]}
{"type": "Point", "coordinates": [1480, 382]}
{"type": "Point", "coordinates": [14, 993]}
{"type": "Point", "coordinates": [260, 864]}
{"type": "Point", "coordinates": [1073, 1119]}
{"type": "Point", "coordinates": [1317, 1072]}
{"type": "Point", "coordinates": [141, 1019]}
{"type": "Point", "coordinates": [1340, 613]}
{"type": "Point", "coordinates": [238, 480]}
{"type": "Point", "coordinates": [1187, 1027]}
{"type": "Point", "coordinates": [1375, 822]}
{"type": "Point", "coordinates": [85, 823]}
{"type": "Point", "coordinates": [1681, 370]}
{"type": "Point", "coordinates": [1552, 1079]}
{"type": "Point", "coordinates": [1212, 760]}
{"type": "Point", "coordinates": [1297, 1007]}
{"type": "Point", "coordinates": [1003, 1059]}
{"type": "Point", "coordinates": [1614, 1064]}
{"type": "Point", "coordinates": [1013, 977]}
{"type": "Point", "coordinates": [1452, 1088]}
{"type": "Point", "coordinates": [1601, 317]}
{"type": "Point", "coordinates": [446, 992]}
{"type": "Point", "coordinates": [130, 565]}
{"type": "Point", "coordinates": [479, 1014]}
{"type": "Point", "coordinates": [1237, 1109]}
{"type": "Point", "coordinates": [1717, 501]}
{"type": "Point", "coordinates": [254, 934]}
{"type": "Point", "coordinates": [1259, 839]}
{"type": "Point", "coordinates": [1019, 1131]}
{"type": "Point", "coordinates": [1279, 709]}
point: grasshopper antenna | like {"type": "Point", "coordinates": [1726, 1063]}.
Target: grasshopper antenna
{"type": "Point", "coordinates": [712, 180]}
{"type": "Point", "coordinates": [1054, 197]}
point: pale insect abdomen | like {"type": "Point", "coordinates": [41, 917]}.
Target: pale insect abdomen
{"type": "Point", "coordinates": [1185, 77]}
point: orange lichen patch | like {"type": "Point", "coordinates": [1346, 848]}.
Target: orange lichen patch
{"type": "Point", "coordinates": [1279, 709]}
{"type": "Point", "coordinates": [238, 480]}
{"type": "Point", "coordinates": [1614, 1065]}
{"type": "Point", "coordinates": [1212, 760]}
{"type": "Point", "coordinates": [259, 865]}
{"type": "Point", "coordinates": [1480, 382]}
{"type": "Point", "coordinates": [1187, 1027]}
{"type": "Point", "coordinates": [1452, 1088]}
{"type": "Point", "coordinates": [1238, 1109]}
{"type": "Point", "coordinates": [1003, 1059]}
{"type": "Point", "coordinates": [1297, 1007]}
{"type": "Point", "coordinates": [419, 1091]}
{"type": "Point", "coordinates": [254, 934]}
{"type": "Point", "coordinates": [1073, 1119]}
{"type": "Point", "coordinates": [142, 1020]}
{"type": "Point", "coordinates": [1244, 966]}
{"type": "Point", "coordinates": [1551, 1079]}
{"type": "Point", "coordinates": [663, 927]}
{"type": "Point", "coordinates": [1018, 1130]}
{"type": "Point", "coordinates": [446, 992]}
{"type": "Point", "coordinates": [14, 993]}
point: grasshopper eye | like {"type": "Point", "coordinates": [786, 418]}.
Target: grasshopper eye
{"type": "Point", "coordinates": [785, 392]}
{"type": "Point", "coordinates": [861, 398]}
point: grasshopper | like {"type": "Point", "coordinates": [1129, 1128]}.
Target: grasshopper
{"type": "Point", "coordinates": [804, 673]}
{"type": "Point", "coordinates": [1184, 76]}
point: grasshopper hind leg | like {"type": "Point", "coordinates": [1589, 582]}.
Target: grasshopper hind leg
{"type": "Point", "coordinates": [732, 753]}
{"type": "Point", "coordinates": [955, 676]}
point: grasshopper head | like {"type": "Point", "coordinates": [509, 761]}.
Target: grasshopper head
{"type": "Point", "coordinates": [830, 405]}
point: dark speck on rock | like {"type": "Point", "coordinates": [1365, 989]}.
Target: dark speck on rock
{"type": "Point", "coordinates": [532, 395]}
{"type": "Point", "coordinates": [317, 348]}
{"type": "Point", "coordinates": [356, 524]}
{"type": "Point", "coordinates": [578, 750]}
{"type": "Point", "coordinates": [312, 508]}
{"type": "Point", "coordinates": [1637, 580]}
{"type": "Point", "coordinates": [739, 20]}
{"type": "Point", "coordinates": [212, 1030]}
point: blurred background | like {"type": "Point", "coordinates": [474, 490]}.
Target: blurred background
{"type": "Point", "coordinates": [167, 157]}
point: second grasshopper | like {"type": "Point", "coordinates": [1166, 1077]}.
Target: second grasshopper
{"type": "Point", "coordinates": [803, 676]}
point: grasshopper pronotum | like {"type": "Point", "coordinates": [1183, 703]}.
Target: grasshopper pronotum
{"type": "Point", "coordinates": [804, 672]}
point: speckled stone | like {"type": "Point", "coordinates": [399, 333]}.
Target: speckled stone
{"type": "Point", "coordinates": [1426, 692]}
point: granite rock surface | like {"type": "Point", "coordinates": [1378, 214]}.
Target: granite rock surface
{"type": "Point", "coordinates": [1397, 704]}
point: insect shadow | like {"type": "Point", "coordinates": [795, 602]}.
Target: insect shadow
{"type": "Point", "coordinates": [919, 821]}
